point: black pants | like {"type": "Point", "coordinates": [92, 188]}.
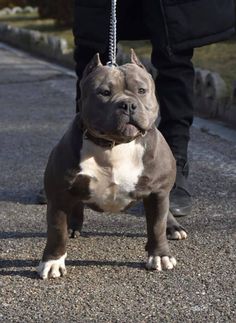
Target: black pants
{"type": "Point", "coordinates": [174, 86]}
{"type": "Point", "coordinates": [174, 83]}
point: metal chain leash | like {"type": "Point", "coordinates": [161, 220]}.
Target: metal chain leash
{"type": "Point", "coordinates": [112, 35]}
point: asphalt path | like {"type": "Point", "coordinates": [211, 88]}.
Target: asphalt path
{"type": "Point", "coordinates": [106, 280]}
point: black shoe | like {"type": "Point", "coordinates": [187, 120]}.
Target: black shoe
{"type": "Point", "coordinates": [180, 197]}
{"type": "Point", "coordinates": [41, 197]}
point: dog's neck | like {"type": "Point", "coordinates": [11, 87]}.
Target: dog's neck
{"type": "Point", "coordinates": [102, 142]}
{"type": "Point", "coordinates": [99, 141]}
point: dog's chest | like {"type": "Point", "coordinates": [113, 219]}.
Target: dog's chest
{"type": "Point", "coordinates": [113, 173]}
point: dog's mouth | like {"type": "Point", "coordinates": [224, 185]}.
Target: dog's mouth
{"type": "Point", "coordinates": [126, 132]}
{"type": "Point", "coordinates": [129, 131]}
{"type": "Point", "coordinates": [134, 125]}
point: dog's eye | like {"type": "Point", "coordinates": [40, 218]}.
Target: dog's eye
{"type": "Point", "coordinates": [141, 90]}
{"type": "Point", "coordinates": [105, 92]}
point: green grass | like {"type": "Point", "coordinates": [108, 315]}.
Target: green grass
{"type": "Point", "coordinates": [220, 57]}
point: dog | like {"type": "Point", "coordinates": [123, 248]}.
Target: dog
{"type": "Point", "coordinates": [111, 156]}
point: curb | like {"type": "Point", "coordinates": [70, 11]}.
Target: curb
{"type": "Point", "coordinates": [50, 47]}
{"type": "Point", "coordinates": [211, 99]}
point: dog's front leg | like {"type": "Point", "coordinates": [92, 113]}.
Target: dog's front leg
{"type": "Point", "coordinates": [53, 261]}
{"type": "Point", "coordinates": [156, 209]}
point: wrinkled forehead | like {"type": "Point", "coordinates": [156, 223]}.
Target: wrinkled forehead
{"type": "Point", "coordinates": [108, 75]}
{"type": "Point", "coordinates": [134, 72]}
{"type": "Point", "coordinates": [129, 74]}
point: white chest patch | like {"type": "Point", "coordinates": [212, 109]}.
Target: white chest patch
{"type": "Point", "coordinates": [114, 172]}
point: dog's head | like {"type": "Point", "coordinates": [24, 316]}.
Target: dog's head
{"type": "Point", "coordinates": [117, 103]}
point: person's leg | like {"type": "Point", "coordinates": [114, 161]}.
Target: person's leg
{"type": "Point", "coordinates": [174, 85]}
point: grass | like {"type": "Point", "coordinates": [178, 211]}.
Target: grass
{"type": "Point", "coordinates": [220, 57]}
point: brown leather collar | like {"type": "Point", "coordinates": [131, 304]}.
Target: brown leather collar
{"type": "Point", "coordinates": [102, 142]}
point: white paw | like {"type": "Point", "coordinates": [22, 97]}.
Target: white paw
{"type": "Point", "coordinates": [159, 263]}
{"type": "Point", "coordinates": [52, 268]}
{"type": "Point", "coordinates": [177, 235]}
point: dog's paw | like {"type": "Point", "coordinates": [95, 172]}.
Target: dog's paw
{"type": "Point", "coordinates": [174, 230]}
{"type": "Point", "coordinates": [52, 268]}
{"type": "Point", "coordinates": [160, 263]}
{"type": "Point", "coordinates": [176, 233]}
{"type": "Point", "coordinates": [73, 234]}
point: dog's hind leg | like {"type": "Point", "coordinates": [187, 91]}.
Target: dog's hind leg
{"type": "Point", "coordinates": [75, 221]}
{"type": "Point", "coordinates": [174, 230]}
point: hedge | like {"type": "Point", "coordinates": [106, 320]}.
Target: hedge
{"type": "Point", "coordinates": [17, 3]}
{"type": "Point", "coordinates": [60, 10]}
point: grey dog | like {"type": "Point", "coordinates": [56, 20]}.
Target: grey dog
{"type": "Point", "coordinates": [111, 156]}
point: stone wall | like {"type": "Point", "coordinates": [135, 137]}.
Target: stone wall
{"type": "Point", "coordinates": [17, 10]}
{"type": "Point", "coordinates": [49, 47]}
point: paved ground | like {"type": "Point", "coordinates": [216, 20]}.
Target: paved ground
{"type": "Point", "coordinates": [106, 281]}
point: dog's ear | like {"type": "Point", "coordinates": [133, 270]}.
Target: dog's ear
{"type": "Point", "coordinates": [95, 62]}
{"type": "Point", "coordinates": [134, 59]}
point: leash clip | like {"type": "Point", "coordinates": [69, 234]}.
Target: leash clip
{"type": "Point", "coordinates": [112, 64]}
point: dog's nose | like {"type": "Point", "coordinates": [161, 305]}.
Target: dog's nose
{"type": "Point", "coordinates": [127, 106]}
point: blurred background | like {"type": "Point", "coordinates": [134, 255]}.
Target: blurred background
{"type": "Point", "coordinates": [55, 18]}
